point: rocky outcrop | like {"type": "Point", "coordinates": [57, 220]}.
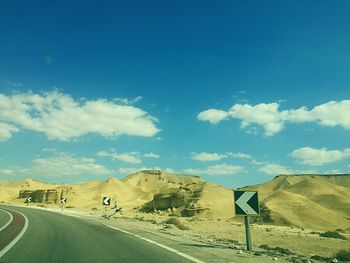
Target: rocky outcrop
{"type": "Point", "coordinates": [40, 196]}
{"type": "Point", "coordinates": [25, 193]}
{"type": "Point", "coordinates": [181, 201]}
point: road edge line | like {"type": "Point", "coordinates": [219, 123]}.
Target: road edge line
{"type": "Point", "coordinates": [193, 259]}
{"type": "Point", "coordinates": [18, 237]}
{"type": "Point", "coordinates": [9, 222]}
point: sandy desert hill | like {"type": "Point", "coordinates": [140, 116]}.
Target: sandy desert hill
{"type": "Point", "coordinates": [155, 181]}
{"type": "Point", "coordinates": [306, 201]}
{"type": "Point", "coordinates": [91, 193]}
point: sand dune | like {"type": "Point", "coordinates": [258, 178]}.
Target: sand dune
{"type": "Point", "coordinates": [310, 201]}
{"type": "Point", "coordinates": [156, 181]}
{"type": "Point", "coordinates": [306, 201]}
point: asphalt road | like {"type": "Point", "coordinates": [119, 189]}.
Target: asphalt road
{"type": "Point", "coordinates": [4, 218]}
{"type": "Point", "coordinates": [52, 237]}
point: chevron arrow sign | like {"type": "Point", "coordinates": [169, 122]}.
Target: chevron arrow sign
{"type": "Point", "coordinates": [106, 200]}
{"type": "Point", "coordinates": [246, 203]}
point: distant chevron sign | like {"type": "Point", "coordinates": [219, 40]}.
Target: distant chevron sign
{"type": "Point", "coordinates": [29, 199]}
{"type": "Point", "coordinates": [106, 200]}
{"type": "Point", "coordinates": [63, 200]}
{"type": "Point", "coordinates": [246, 203]}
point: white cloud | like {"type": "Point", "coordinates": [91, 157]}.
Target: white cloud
{"type": "Point", "coordinates": [7, 172]}
{"type": "Point", "coordinates": [129, 157]}
{"type": "Point", "coordinates": [272, 120]}
{"type": "Point", "coordinates": [331, 114]}
{"type": "Point", "coordinates": [317, 157]}
{"type": "Point", "coordinates": [207, 157]}
{"type": "Point", "coordinates": [151, 155]}
{"type": "Point", "coordinates": [6, 131]}
{"type": "Point", "coordinates": [334, 171]}
{"type": "Point", "coordinates": [49, 149]}
{"type": "Point", "coordinates": [212, 115]}
{"type": "Point", "coordinates": [239, 155]}
{"type": "Point", "coordinates": [275, 169]}
{"type": "Point", "coordinates": [263, 114]}
{"type": "Point", "coordinates": [256, 162]}
{"type": "Point", "coordinates": [63, 164]}
{"type": "Point", "coordinates": [61, 117]}
{"type": "Point", "coordinates": [219, 169]}
{"type": "Point", "coordinates": [169, 170]}
{"type": "Point", "coordinates": [127, 101]}
{"type": "Point", "coordinates": [13, 84]}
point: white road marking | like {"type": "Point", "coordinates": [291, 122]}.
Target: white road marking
{"type": "Point", "coordinates": [18, 237]}
{"type": "Point", "coordinates": [159, 245]}
{"type": "Point", "coordinates": [9, 222]}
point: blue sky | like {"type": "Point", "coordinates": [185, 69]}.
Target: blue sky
{"type": "Point", "coordinates": [236, 91]}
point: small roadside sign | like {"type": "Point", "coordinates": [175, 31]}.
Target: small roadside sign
{"type": "Point", "coordinates": [63, 202]}
{"type": "Point", "coordinates": [106, 200]}
{"type": "Point", "coordinates": [28, 200]}
{"type": "Point", "coordinates": [246, 203]}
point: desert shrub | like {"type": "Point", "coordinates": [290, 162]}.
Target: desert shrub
{"type": "Point", "coordinates": [314, 233]}
{"type": "Point", "coordinates": [264, 246]}
{"type": "Point", "coordinates": [176, 222]}
{"type": "Point", "coordinates": [94, 209]}
{"type": "Point", "coordinates": [265, 215]}
{"type": "Point", "coordinates": [69, 206]}
{"type": "Point", "coordinates": [320, 258]}
{"type": "Point", "coordinates": [333, 234]}
{"type": "Point", "coordinates": [343, 255]}
{"type": "Point", "coordinates": [281, 250]}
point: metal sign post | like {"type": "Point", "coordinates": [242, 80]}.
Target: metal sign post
{"type": "Point", "coordinates": [247, 234]}
{"type": "Point", "coordinates": [246, 204]}
{"type": "Point", "coordinates": [63, 202]}
{"type": "Point", "coordinates": [29, 199]}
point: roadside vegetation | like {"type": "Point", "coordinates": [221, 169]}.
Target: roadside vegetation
{"type": "Point", "coordinates": [332, 234]}
{"type": "Point", "coordinates": [343, 255]}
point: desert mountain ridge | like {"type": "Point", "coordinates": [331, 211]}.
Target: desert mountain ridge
{"type": "Point", "coordinates": [305, 200]}
{"type": "Point", "coordinates": [321, 201]}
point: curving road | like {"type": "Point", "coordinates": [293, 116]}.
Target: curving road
{"type": "Point", "coordinates": [52, 237]}
{"type": "Point", "coordinates": [4, 218]}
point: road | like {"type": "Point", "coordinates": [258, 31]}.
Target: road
{"type": "Point", "coordinates": [53, 237]}
{"type": "Point", "coordinates": [4, 218]}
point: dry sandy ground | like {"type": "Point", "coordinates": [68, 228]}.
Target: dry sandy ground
{"type": "Point", "coordinates": [227, 234]}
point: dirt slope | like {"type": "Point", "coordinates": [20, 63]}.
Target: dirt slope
{"type": "Point", "coordinates": [309, 201]}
